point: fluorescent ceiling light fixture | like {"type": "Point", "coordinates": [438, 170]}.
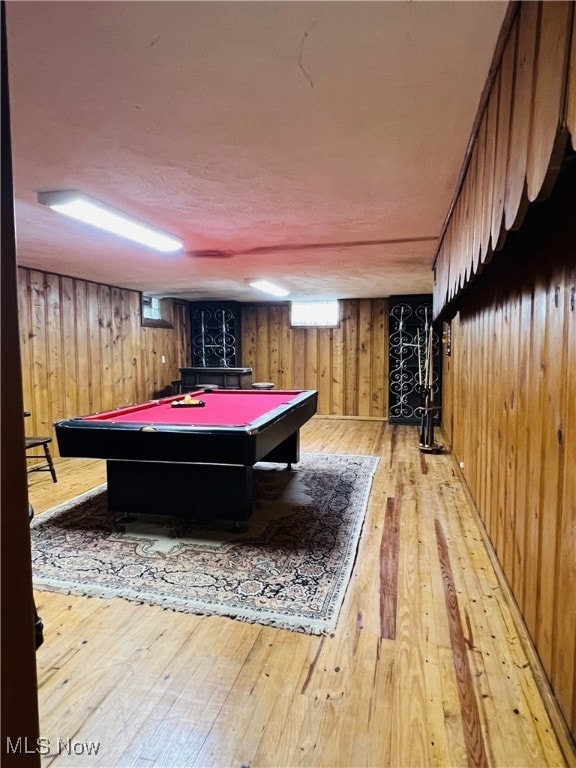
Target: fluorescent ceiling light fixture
{"type": "Point", "coordinates": [91, 211]}
{"type": "Point", "coordinates": [268, 287]}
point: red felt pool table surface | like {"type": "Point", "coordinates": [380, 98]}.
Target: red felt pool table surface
{"type": "Point", "coordinates": [199, 460]}
{"type": "Point", "coordinates": [230, 408]}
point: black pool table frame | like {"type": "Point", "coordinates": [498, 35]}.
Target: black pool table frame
{"type": "Point", "coordinates": [197, 471]}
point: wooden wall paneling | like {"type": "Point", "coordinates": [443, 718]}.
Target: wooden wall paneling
{"type": "Point", "coordinates": [338, 371]}
{"type": "Point", "coordinates": [513, 332]}
{"type": "Point", "coordinates": [123, 345]}
{"type": "Point", "coordinates": [481, 418]}
{"type": "Point", "coordinates": [464, 254]}
{"type": "Point", "coordinates": [351, 370]}
{"type": "Point", "coordinates": [69, 403]}
{"type": "Point", "coordinates": [479, 195]}
{"type": "Point", "coordinates": [449, 248]}
{"type": "Point", "coordinates": [448, 398]}
{"type": "Point", "coordinates": [248, 330]}
{"type": "Point", "coordinates": [499, 426]}
{"type": "Point", "coordinates": [55, 362]}
{"type": "Point", "coordinates": [461, 435]}
{"type": "Point", "coordinates": [149, 358]}
{"type": "Point", "coordinates": [183, 346]}
{"type": "Point", "coordinates": [154, 346]}
{"type": "Point", "coordinates": [487, 422]}
{"type": "Point", "coordinates": [83, 348]}
{"type": "Point", "coordinates": [514, 200]}
{"type": "Point", "coordinates": [551, 413]}
{"type": "Point", "coordinates": [163, 375]}
{"type": "Point", "coordinates": [41, 407]}
{"type": "Point", "coordinates": [505, 100]}
{"type": "Point", "coordinates": [534, 459]}
{"type": "Point", "coordinates": [286, 347]}
{"type": "Point", "coordinates": [462, 229]}
{"type": "Point", "coordinates": [129, 341]}
{"type": "Point", "coordinates": [364, 360]}
{"type": "Point", "coordinates": [571, 97]}
{"type": "Point", "coordinates": [456, 366]}
{"type": "Point", "coordinates": [503, 397]}
{"type": "Point", "coordinates": [463, 244]}
{"type": "Point", "coordinates": [24, 312]}
{"type": "Point", "coordinates": [94, 374]}
{"type": "Point", "coordinates": [484, 404]}
{"type": "Point", "coordinates": [456, 244]}
{"type": "Point", "coordinates": [468, 253]}
{"type": "Point", "coordinates": [145, 355]}
{"type": "Point", "coordinates": [445, 265]}
{"type": "Point", "coordinates": [564, 630]}
{"type": "Point", "coordinates": [379, 372]}
{"type": "Point", "coordinates": [471, 438]}
{"type": "Point", "coordinates": [481, 407]}
{"type": "Point", "coordinates": [117, 346]}
{"type": "Point", "coordinates": [489, 170]}
{"type": "Point", "coordinates": [546, 141]}
{"type": "Point", "coordinates": [299, 336]}
{"type": "Point", "coordinates": [275, 341]}
{"type": "Point", "coordinates": [106, 353]}
{"type": "Point", "coordinates": [441, 274]}
{"type": "Point", "coordinates": [495, 511]}
{"type": "Point", "coordinates": [262, 369]}
{"type": "Point", "coordinates": [135, 352]}
{"type": "Point", "coordinates": [440, 289]}
{"type": "Point", "coordinates": [125, 342]}
{"type": "Point", "coordinates": [472, 223]}
{"type": "Point", "coordinates": [324, 368]}
{"type": "Point", "coordinates": [79, 341]}
{"type": "Point", "coordinates": [523, 422]}
{"type": "Point", "coordinates": [347, 365]}
{"type": "Point", "coordinates": [311, 377]}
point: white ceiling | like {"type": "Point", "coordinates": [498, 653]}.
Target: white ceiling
{"type": "Point", "coordinates": [316, 144]}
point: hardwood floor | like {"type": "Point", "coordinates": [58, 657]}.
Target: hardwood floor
{"type": "Point", "coordinates": [425, 668]}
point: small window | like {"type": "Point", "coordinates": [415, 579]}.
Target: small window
{"type": "Point", "coordinates": [315, 314]}
{"type": "Point", "coordinates": [156, 312]}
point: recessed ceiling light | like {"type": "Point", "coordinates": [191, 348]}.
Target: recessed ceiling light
{"type": "Point", "coordinates": [84, 208]}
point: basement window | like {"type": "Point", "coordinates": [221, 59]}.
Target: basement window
{"type": "Point", "coordinates": [156, 312]}
{"type": "Point", "coordinates": [315, 314]}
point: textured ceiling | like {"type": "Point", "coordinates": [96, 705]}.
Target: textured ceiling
{"type": "Point", "coordinates": [316, 144]}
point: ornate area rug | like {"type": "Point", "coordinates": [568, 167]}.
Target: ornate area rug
{"type": "Point", "coordinates": [290, 569]}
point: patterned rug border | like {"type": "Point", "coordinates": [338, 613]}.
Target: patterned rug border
{"type": "Point", "coordinates": [205, 607]}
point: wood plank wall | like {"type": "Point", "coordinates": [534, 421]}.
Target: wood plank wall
{"type": "Point", "coordinates": [515, 155]}
{"type": "Point", "coordinates": [348, 365]}
{"type": "Point", "coordinates": [509, 411]}
{"type": "Point", "coordinates": [84, 350]}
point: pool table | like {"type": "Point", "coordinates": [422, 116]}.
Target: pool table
{"type": "Point", "coordinates": [164, 456]}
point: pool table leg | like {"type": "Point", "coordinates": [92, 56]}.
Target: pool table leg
{"type": "Point", "coordinates": [288, 451]}
{"type": "Point", "coordinates": [196, 491]}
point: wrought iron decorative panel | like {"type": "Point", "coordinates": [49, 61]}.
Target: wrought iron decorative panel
{"type": "Point", "coordinates": [215, 335]}
{"type": "Point", "coordinates": [414, 346]}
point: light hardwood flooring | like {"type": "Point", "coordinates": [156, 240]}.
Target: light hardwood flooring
{"type": "Point", "coordinates": [425, 668]}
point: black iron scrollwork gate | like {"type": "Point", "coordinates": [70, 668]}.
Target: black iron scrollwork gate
{"type": "Point", "coordinates": [413, 342]}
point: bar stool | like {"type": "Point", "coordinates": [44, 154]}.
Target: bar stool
{"type": "Point", "coordinates": [263, 385]}
{"type": "Point", "coordinates": [48, 465]}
